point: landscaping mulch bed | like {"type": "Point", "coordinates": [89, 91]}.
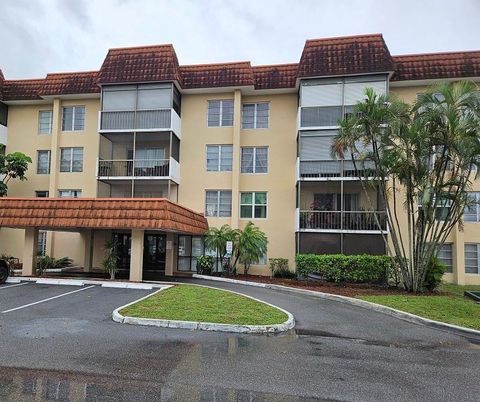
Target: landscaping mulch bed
{"type": "Point", "coordinates": [344, 289]}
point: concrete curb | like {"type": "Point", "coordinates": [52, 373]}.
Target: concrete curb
{"type": "Point", "coordinates": [355, 302]}
{"type": "Point", "coordinates": [83, 282]}
{"type": "Point", "coordinates": [206, 326]}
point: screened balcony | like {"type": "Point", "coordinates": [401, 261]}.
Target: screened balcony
{"type": "Point", "coordinates": [147, 107]}
{"type": "Point", "coordinates": [334, 207]}
{"type": "Point", "coordinates": [334, 170]}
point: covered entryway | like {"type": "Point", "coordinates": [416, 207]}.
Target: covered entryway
{"type": "Point", "coordinates": [146, 229]}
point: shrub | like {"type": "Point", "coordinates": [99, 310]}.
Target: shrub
{"type": "Point", "coordinates": [279, 268]}
{"type": "Point", "coordinates": [45, 262]}
{"type": "Point", "coordinates": [435, 271]}
{"type": "Point", "coordinates": [205, 264]}
{"type": "Point", "coordinates": [284, 272]}
{"type": "Point", "coordinates": [346, 268]}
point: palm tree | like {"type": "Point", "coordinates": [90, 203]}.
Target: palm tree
{"type": "Point", "coordinates": [216, 240]}
{"type": "Point", "coordinates": [425, 159]}
{"type": "Point", "coordinates": [251, 244]}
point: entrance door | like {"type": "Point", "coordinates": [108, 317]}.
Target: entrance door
{"type": "Point", "coordinates": [154, 256]}
{"type": "Point", "coordinates": [124, 246]}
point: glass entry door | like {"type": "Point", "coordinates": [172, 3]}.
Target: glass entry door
{"type": "Point", "coordinates": [154, 256]}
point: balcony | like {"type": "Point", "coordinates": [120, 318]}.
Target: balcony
{"type": "Point", "coordinates": [138, 169]}
{"type": "Point", "coordinates": [324, 170]}
{"type": "Point", "coordinates": [140, 120]}
{"type": "Point", "coordinates": [341, 222]}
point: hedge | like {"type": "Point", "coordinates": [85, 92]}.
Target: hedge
{"type": "Point", "coordinates": [346, 268]}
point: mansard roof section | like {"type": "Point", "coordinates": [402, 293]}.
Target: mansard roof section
{"type": "Point", "coordinates": [437, 66]}
{"type": "Point", "coordinates": [19, 90]}
{"type": "Point", "coordinates": [140, 64]}
{"type": "Point", "coordinates": [347, 55]}
{"type": "Point", "coordinates": [235, 74]}
{"type": "Point", "coordinates": [70, 83]}
{"type": "Point", "coordinates": [275, 76]}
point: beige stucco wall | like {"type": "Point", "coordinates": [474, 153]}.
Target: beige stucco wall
{"type": "Point", "coordinates": [279, 182]}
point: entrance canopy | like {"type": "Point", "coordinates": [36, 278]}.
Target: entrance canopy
{"type": "Point", "coordinates": [100, 213]}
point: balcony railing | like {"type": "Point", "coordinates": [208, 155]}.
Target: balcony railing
{"type": "Point", "coordinates": [331, 169]}
{"type": "Point", "coordinates": [342, 221]}
{"type": "Point", "coordinates": [146, 120]}
{"type": "Point", "coordinates": [131, 168]}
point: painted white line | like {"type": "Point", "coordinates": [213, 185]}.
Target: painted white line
{"type": "Point", "coordinates": [12, 286]}
{"type": "Point", "coordinates": [45, 300]}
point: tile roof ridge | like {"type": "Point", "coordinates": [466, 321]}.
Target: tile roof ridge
{"type": "Point", "coordinates": [420, 55]}
{"type": "Point", "coordinates": [170, 45]}
{"type": "Point", "coordinates": [345, 37]}
{"type": "Point", "coordinates": [276, 65]}
{"type": "Point", "coordinates": [73, 72]}
{"type": "Point", "coordinates": [216, 64]}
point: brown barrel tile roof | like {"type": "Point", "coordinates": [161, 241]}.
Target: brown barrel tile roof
{"type": "Point", "coordinates": [345, 55]}
{"type": "Point", "coordinates": [275, 76]}
{"type": "Point", "coordinates": [22, 89]}
{"type": "Point", "coordinates": [437, 66]}
{"type": "Point", "coordinates": [100, 213]}
{"type": "Point", "coordinates": [139, 64]}
{"type": "Point", "coordinates": [70, 83]}
{"type": "Point", "coordinates": [217, 75]}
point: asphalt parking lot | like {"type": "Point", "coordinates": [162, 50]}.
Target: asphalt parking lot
{"type": "Point", "coordinates": [59, 343]}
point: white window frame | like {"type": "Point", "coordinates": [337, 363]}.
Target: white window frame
{"type": "Point", "coordinates": [475, 194]}
{"type": "Point", "coordinates": [218, 203]}
{"type": "Point", "coordinates": [74, 110]}
{"type": "Point", "coordinates": [477, 245]}
{"type": "Point", "coordinates": [50, 122]}
{"type": "Point", "coordinates": [220, 153]}
{"type": "Point", "coordinates": [37, 192]}
{"type": "Point", "coordinates": [255, 113]}
{"type": "Point", "coordinates": [42, 242]}
{"type": "Point", "coordinates": [71, 193]}
{"type": "Point", "coordinates": [220, 122]}
{"type": "Point", "coordinates": [254, 160]}
{"type": "Point", "coordinates": [453, 259]}
{"type": "Point", "coordinates": [253, 204]}
{"type": "Point", "coordinates": [49, 153]}
{"type": "Point", "coordinates": [71, 160]}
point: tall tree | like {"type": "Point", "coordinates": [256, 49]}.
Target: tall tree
{"type": "Point", "coordinates": [12, 166]}
{"type": "Point", "coordinates": [425, 158]}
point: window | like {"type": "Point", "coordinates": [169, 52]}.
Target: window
{"type": "Point", "coordinates": [43, 162]}
{"type": "Point", "coordinates": [42, 242]}
{"type": "Point", "coordinates": [70, 193]}
{"type": "Point", "coordinates": [219, 158]}
{"type": "Point", "coordinates": [253, 205]}
{"type": "Point", "coordinates": [471, 212]}
{"type": "Point", "coordinates": [41, 194]}
{"type": "Point", "coordinates": [220, 113]}
{"type": "Point", "coordinates": [333, 202]}
{"type": "Point", "coordinates": [45, 118]}
{"type": "Point", "coordinates": [254, 160]}
{"type": "Point", "coordinates": [255, 115]}
{"type": "Point", "coordinates": [263, 259]}
{"type": "Point", "coordinates": [445, 255]}
{"type": "Point", "coordinates": [472, 253]}
{"type": "Point", "coordinates": [71, 159]}
{"type": "Point", "coordinates": [73, 118]}
{"type": "Point", "coordinates": [218, 203]}
{"type": "Point", "coordinates": [189, 248]}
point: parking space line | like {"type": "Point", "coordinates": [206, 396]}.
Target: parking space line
{"type": "Point", "coordinates": [12, 286]}
{"type": "Point", "coordinates": [45, 300]}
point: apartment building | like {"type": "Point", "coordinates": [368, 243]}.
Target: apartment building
{"type": "Point", "coordinates": [231, 141]}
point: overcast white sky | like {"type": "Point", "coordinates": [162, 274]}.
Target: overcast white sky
{"type": "Point", "coordinates": [40, 36]}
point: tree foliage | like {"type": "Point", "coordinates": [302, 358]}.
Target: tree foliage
{"type": "Point", "coordinates": [426, 158]}
{"type": "Point", "coordinates": [12, 166]}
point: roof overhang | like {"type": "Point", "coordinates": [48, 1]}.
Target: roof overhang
{"type": "Point", "coordinates": [429, 82]}
{"type": "Point", "coordinates": [71, 214]}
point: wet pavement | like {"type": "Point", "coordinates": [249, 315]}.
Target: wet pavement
{"type": "Point", "coordinates": [69, 349]}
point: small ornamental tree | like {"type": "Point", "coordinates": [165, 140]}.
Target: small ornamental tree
{"type": "Point", "coordinates": [216, 240]}
{"type": "Point", "coordinates": [250, 245]}
{"type": "Point", "coordinates": [425, 158]}
{"type": "Point", "coordinates": [12, 166]}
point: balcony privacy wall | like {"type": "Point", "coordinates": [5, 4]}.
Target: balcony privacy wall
{"type": "Point", "coordinates": [331, 243]}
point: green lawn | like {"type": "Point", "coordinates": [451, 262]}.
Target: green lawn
{"type": "Point", "coordinates": [196, 303]}
{"type": "Point", "coordinates": [452, 308]}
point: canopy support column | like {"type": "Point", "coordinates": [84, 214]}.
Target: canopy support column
{"type": "Point", "coordinates": [29, 261]}
{"type": "Point", "coordinates": [136, 255]}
